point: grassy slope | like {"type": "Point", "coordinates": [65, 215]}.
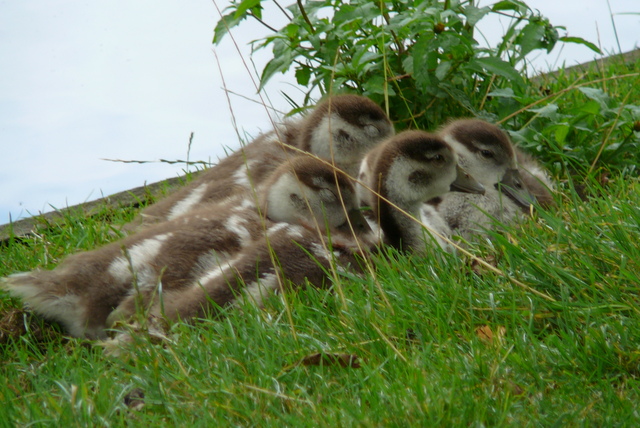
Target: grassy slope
{"type": "Point", "coordinates": [439, 340]}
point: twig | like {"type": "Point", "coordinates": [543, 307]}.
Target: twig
{"type": "Point", "coordinates": [252, 100]}
{"type": "Point", "coordinates": [305, 17]}
{"type": "Point", "coordinates": [171, 162]}
{"type": "Point", "coordinates": [290, 18]}
{"type": "Point", "coordinates": [251, 14]}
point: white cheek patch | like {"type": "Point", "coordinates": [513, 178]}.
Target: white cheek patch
{"type": "Point", "coordinates": [189, 202]}
{"type": "Point", "coordinates": [365, 197]}
{"type": "Point", "coordinates": [397, 182]}
{"type": "Point", "coordinates": [141, 255]}
{"type": "Point", "coordinates": [279, 201]}
{"type": "Point", "coordinates": [486, 172]}
{"type": "Point", "coordinates": [324, 141]}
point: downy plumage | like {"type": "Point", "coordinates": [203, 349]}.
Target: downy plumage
{"type": "Point", "coordinates": [85, 288]}
{"type": "Point", "coordinates": [485, 152]}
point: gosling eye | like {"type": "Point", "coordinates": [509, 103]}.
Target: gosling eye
{"type": "Point", "coordinates": [371, 130]}
{"type": "Point", "coordinates": [327, 195]}
{"type": "Point", "coordinates": [436, 158]}
{"type": "Point", "coordinates": [486, 153]}
{"type": "Point", "coordinates": [343, 135]}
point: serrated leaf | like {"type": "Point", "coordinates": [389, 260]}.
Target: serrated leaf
{"type": "Point", "coordinates": [581, 41]}
{"type": "Point", "coordinates": [280, 63]}
{"type": "Point", "coordinates": [594, 94]}
{"type": "Point", "coordinates": [517, 6]}
{"type": "Point", "coordinates": [224, 25]}
{"type": "Point", "coordinates": [497, 66]}
{"type": "Point", "coordinates": [424, 59]}
{"type": "Point", "coordinates": [246, 5]}
{"type": "Point", "coordinates": [503, 93]}
{"type": "Point", "coordinates": [591, 107]}
{"type": "Point", "coordinates": [442, 69]}
{"type": "Point", "coordinates": [548, 111]}
{"type": "Point", "coordinates": [531, 37]}
{"type": "Point", "coordinates": [475, 14]}
{"type": "Point", "coordinates": [303, 75]}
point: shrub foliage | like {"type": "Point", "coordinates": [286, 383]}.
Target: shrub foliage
{"type": "Point", "coordinates": [422, 60]}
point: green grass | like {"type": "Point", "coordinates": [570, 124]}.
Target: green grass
{"type": "Point", "coordinates": [440, 340]}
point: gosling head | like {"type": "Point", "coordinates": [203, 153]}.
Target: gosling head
{"type": "Point", "coordinates": [486, 152]}
{"type": "Point", "coordinates": [416, 166]}
{"type": "Point", "coordinates": [407, 170]}
{"type": "Point", "coordinates": [308, 191]}
{"type": "Point", "coordinates": [344, 128]}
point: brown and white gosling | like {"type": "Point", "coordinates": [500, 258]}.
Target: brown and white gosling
{"type": "Point", "coordinates": [340, 129]}
{"type": "Point", "coordinates": [289, 257]}
{"type": "Point", "coordinates": [406, 171]}
{"type": "Point", "coordinates": [486, 152]}
{"type": "Point", "coordinates": [85, 288]}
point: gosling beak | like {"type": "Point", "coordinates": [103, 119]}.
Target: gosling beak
{"type": "Point", "coordinates": [464, 182]}
{"type": "Point", "coordinates": [358, 222]}
{"type": "Point", "coordinates": [512, 186]}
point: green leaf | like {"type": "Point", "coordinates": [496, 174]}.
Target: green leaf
{"type": "Point", "coordinates": [503, 93]}
{"type": "Point", "coordinates": [591, 108]}
{"type": "Point", "coordinates": [459, 96]}
{"type": "Point", "coordinates": [549, 111]}
{"type": "Point", "coordinates": [497, 66]}
{"type": "Point", "coordinates": [475, 14]}
{"type": "Point", "coordinates": [531, 37]}
{"type": "Point", "coordinates": [561, 132]}
{"type": "Point", "coordinates": [442, 69]}
{"type": "Point", "coordinates": [282, 59]}
{"type": "Point", "coordinates": [595, 94]}
{"type": "Point", "coordinates": [249, 5]}
{"type": "Point", "coordinates": [292, 30]}
{"type": "Point", "coordinates": [581, 41]}
{"type": "Point", "coordinates": [224, 25]}
{"type": "Point", "coordinates": [424, 60]}
{"type": "Point", "coordinates": [375, 85]}
{"type": "Point", "coordinates": [517, 6]}
{"type": "Point", "coordinates": [303, 75]}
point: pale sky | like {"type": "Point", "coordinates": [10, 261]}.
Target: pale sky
{"type": "Point", "coordinates": [85, 80]}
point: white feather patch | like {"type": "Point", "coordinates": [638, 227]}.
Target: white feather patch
{"type": "Point", "coordinates": [189, 202]}
{"type": "Point", "coordinates": [140, 255]}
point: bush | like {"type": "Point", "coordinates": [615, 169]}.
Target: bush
{"type": "Point", "coordinates": [422, 61]}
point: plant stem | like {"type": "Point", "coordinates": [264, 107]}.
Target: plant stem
{"type": "Point", "coordinates": [305, 17]}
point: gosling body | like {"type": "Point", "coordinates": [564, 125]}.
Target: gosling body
{"type": "Point", "coordinates": [84, 290]}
